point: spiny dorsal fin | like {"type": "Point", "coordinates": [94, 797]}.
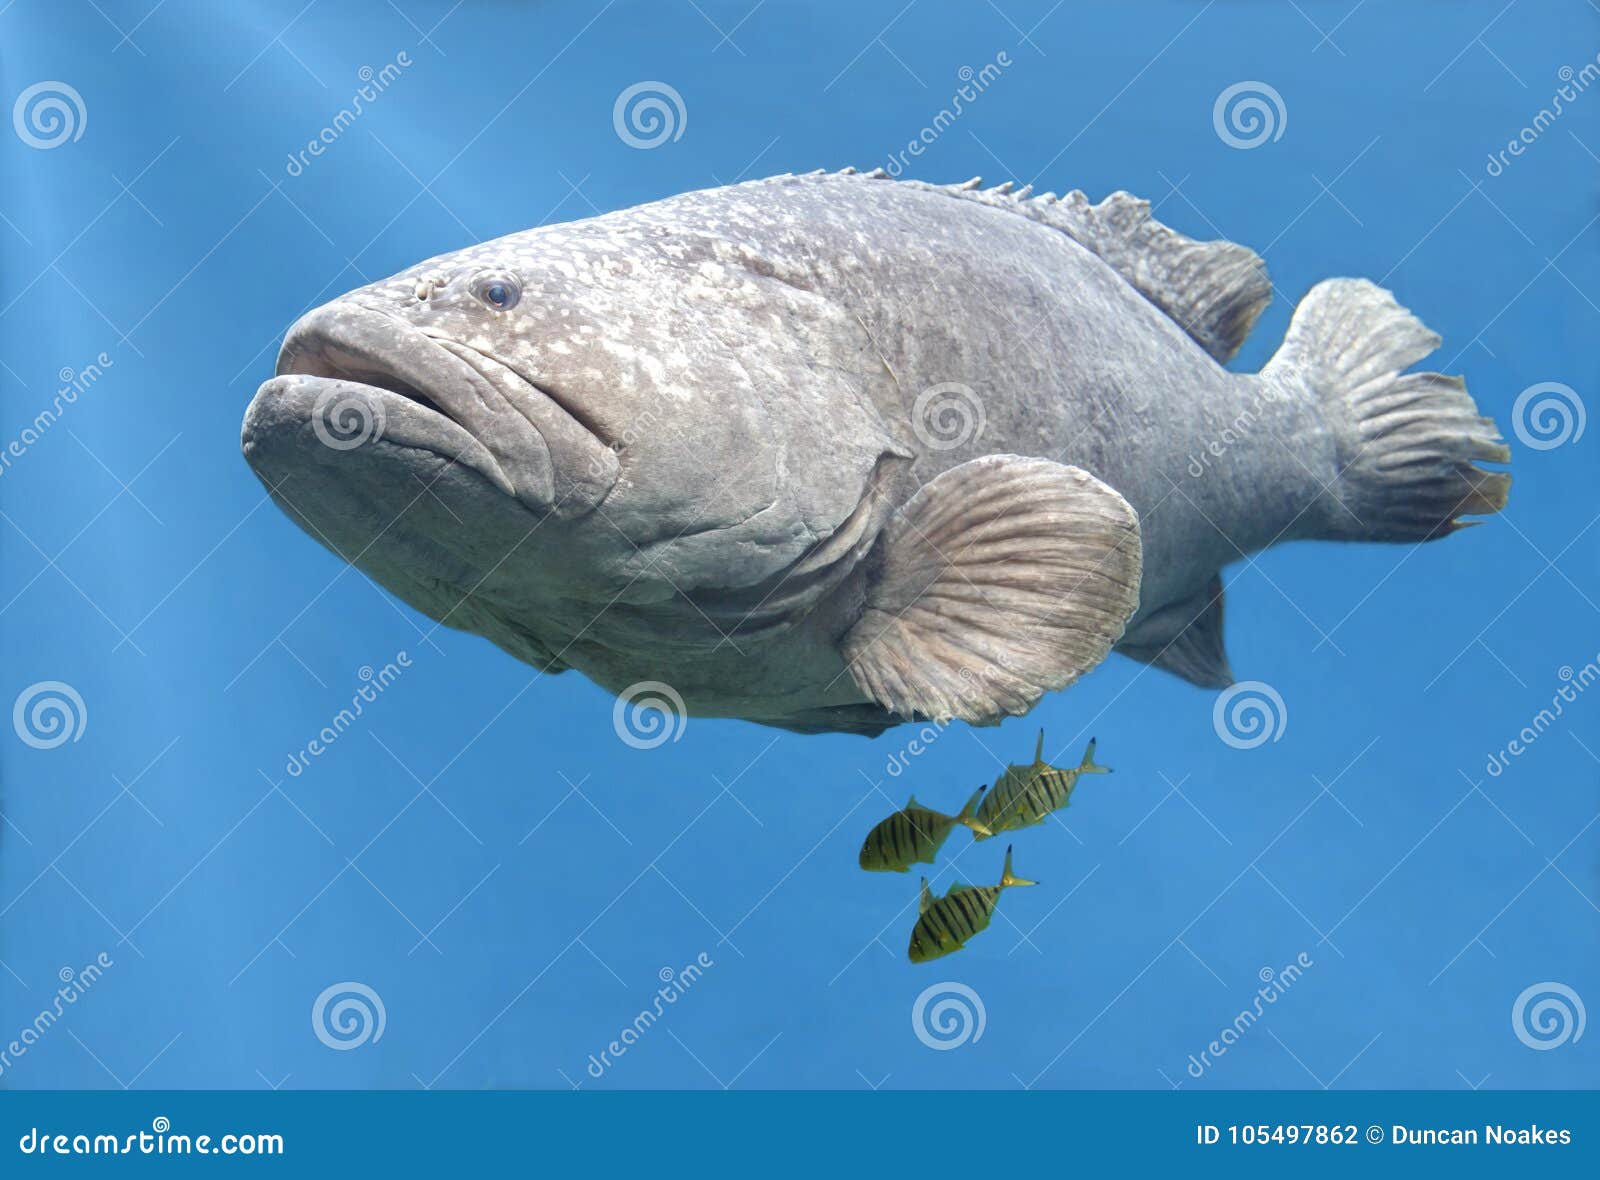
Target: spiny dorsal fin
{"type": "Point", "coordinates": [1186, 639]}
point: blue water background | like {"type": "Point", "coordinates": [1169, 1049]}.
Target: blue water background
{"type": "Point", "coordinates": [485, 854]}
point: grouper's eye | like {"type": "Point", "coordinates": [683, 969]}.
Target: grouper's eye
{"type": "Point", "coordinates": [498, 291]}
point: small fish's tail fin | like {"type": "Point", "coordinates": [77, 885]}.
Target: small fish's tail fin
{"type": "Point", "coordinates": [1006, 879]}
{"type": "Point", "coordinates": [1089, 765]}
{"type": "Point", "coordinates": [968, 814]}
{"type": "Point", "coordinates": [1406, 441]}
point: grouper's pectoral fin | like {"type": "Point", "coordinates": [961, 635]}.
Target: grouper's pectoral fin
{"type": "Point", "coordinates": [1000, 579]}
{"type": "Point", "coordinates": [1185, 639]}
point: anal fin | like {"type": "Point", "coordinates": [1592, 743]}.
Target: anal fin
{"type": "Point", "coordinates": [1185, 639]}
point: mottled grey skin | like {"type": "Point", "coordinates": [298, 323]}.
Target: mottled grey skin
{"type": "Point", "coordinates": [673, 457]}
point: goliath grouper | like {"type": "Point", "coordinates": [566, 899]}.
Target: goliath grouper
{"type": "Point", "coordinates": [830, 452]}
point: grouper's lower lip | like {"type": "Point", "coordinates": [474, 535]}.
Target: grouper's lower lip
{"type": "Point", "coordinates": [407, 389]}
{"type": "Point", "coordinates": [345, 415]}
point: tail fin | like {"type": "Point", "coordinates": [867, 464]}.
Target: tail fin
{"type": "Point", "coordinates": [1407, 441]}
{"type": "Point", "coordinates": [1007, 880]}
{"type": "Point", "coordinates": [1089, 765]}
{"type": "Point", "coordinates": [968, 814]}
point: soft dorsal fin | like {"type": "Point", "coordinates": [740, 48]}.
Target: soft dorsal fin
{"type": "Point", "coordinates": [1214, 291]}
{"type": "Point", "coordinates": [1186, 639]}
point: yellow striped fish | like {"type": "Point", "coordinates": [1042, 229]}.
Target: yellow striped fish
{"type": "Point", "coordinates": [947, 922]}
{"type": "Point", "coordinates": [1025, 794]}
{"type": "Point", "coordinates": [915, 833]}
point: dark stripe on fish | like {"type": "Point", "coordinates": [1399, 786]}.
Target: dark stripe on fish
{"type": "Point", "coordinates": [1025, 796]}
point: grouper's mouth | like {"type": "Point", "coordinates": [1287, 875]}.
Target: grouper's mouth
{"type": "Point", "coordinates": [364, 378]}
